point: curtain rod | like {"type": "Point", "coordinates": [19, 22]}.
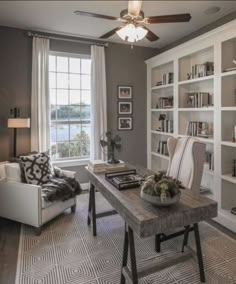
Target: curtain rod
{"type": "Point", "coordinates": [31, 34]}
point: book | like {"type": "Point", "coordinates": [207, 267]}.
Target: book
{"type": "Point", "coordinates": [198, 99]}
{"type": "Point", "coordinates": [165, 102]}
{"type": "Point", "coordinates": [127, 178]}
{"type": "Point", "coordinates": [124, 180]}
{"type": "Point", "coordinates": [202, 70]}
{"type": "Point", "coordinates": [99, 166]}
{"type": "Point", "coordinates": [198, 128]}
{"type": "Point", "coordinates": [162, 148]}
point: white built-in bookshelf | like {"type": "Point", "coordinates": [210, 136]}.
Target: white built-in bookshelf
{"type": "Point", "coordinates": [191, 90]}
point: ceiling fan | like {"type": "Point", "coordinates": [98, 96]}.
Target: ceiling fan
{"type": "Point", "coordinates": [135, 22]}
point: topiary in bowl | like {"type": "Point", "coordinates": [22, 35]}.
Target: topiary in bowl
{"type": "Point", "coordinates": [161, 190]}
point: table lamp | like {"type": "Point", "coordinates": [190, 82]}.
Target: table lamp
{"type": "Point", "coordinates": [17, 122]}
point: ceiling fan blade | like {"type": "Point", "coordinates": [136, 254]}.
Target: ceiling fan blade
{"type": "Point", "coordinates": [168, 19]}
{"type": "Point", "coordinates": [134, 7]}
{"type": "Point", "coordinates": [150, 35]}
{"type": "Point", "coordinates": [82, 13]}
{"type": "Point", "coordinates": [110, 33]}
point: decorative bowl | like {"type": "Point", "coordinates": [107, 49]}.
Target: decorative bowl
{"type": "Point", "coordinates": [156, 200]}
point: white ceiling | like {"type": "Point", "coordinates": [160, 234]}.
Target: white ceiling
{"type": "Point", "coordinates": [58, 17]}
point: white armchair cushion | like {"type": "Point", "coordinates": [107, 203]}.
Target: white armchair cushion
{"type": "Point", "coordinates": [37, 168]}
{"type": "Point", "coordinates": [13, 172]}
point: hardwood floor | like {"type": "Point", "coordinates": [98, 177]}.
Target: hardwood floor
{"type": "Point", "coordinates": [9, 240]}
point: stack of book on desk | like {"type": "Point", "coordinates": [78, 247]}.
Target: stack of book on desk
{"type": "Point", "coordinates": [99, 166]}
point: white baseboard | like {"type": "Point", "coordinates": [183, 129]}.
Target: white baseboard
{"type": "Point", "coordinates": [85, 186]}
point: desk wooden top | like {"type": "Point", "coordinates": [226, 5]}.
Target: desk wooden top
{"type": "Point", "coordinates": [146, 219]}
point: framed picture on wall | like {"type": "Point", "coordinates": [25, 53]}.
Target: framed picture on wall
{"type": "Point", "coordinates": [125, 123]}
{"type": "Point", "coordinates": [125, 92]}
{"type": "Point", "coordinates": [125, 107]}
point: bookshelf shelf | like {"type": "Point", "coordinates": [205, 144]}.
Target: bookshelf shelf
{"type": "Point", "coordinates": [197, 109]}
{"type": "Point", "coordinates": [196, 80]}
{"type": "Point", "coordinates": [160, 156]}
{"type": "Point", "coordinates": [228, 143]}
{"type": "Point", "coordinates": [229, 178]}
{"type": "Point", "coordinates": [207, 171]}
{"type": "Point", "coordinates": [233, 108]}
{"type": "Point", "coordinates": [208, 101]}
{"type": "Point", "coordinates": [162, 87]}
{"type": "Point", "coordinates": [229, 73]}
{"type": "Point", "coordinates": [162, 109]}
{"type": "Point", "coordinates": [162, 133]}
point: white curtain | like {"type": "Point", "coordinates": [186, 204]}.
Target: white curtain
{"type": "Point", "coordinates": [98, 100]}
{"type": "Point", "coordinates": [39, 95]}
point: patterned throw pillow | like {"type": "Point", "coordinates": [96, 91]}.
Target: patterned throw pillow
{"type": "Point", "coordinates": [37, 168]}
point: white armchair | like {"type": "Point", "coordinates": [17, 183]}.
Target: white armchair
{"type": "Point", "coordinates": [24, 203]}
{"type": "Point", "coordinates": [187, 156]}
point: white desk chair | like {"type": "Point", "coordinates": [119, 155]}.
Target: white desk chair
{"type": "Point", "coordinates": [187, 156]}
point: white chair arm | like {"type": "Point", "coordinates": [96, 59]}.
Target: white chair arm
{"type": "Point", "coordinates": [21, 202]}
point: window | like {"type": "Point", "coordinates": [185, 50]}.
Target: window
{"type": "Point", "coordinates": [70, 104]}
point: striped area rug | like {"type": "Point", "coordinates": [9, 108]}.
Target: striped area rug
{"type": "Point", "coordinates": [67, 253]}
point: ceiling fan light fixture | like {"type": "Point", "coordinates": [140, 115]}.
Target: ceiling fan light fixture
{"type": "Point", "coordinates": [141, 32]}
{"type": "Point", "coordinates": [131, 33]}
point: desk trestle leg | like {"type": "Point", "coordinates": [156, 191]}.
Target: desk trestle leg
{"type": "Point", "coordinates": [92, 209]}
{"type": "Point", "coordinates": [126, 274]}
{"type": "Point", "coordinates": [163, 237]}
{"type": "Point", "coordinates": [199, 253]}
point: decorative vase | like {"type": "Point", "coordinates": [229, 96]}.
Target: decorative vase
{"type": "Point", "coordinates": [156, 200]}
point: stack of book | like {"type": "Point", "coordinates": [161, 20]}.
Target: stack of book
{"type": "Point", "coordinates": [198, 99]}
{"type": "Point", "coordinates": [167, 78]}
{"type": "Point", "coordinates": [209, 160]}
{"type": "Point", "coordinates": [202, 70]}
{"type": "Point", "coordinates": [165, 102]}
{"type": "Point", "coordinates": [197, 128]}
{"type": "Point", "coordinates": [99, 166]}
{"type": "Point", "coordinates": [166, 126]}
{"type": "Point", "coordinates": [162, 148]}
{"type": "Point", "coordinates": [126, 179]}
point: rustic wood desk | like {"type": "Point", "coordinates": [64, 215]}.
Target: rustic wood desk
{"type": "Point", "coordinates": [146, 220]}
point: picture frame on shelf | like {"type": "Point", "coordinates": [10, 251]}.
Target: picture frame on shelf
{"type": "Point", "coordinates": [125, 108]}
{"type": "Point", "coordinates": [125, 123]}
{"type": "Point", "coordinates": [125, 92]}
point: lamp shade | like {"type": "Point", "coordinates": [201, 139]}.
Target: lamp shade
{"type": "Point", "coordinates": [18, 123]}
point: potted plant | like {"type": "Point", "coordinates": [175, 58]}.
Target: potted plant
{"type": "Point", "coordinates": [161, 190]}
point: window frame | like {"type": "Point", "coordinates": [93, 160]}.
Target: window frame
{"type": "Point", "coordinates": [68, 161]}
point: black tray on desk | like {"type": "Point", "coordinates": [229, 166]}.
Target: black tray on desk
{"type": "Point", "coordinates": [123, 179]}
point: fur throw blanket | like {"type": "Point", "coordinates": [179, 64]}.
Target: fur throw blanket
{"type": "Point", "coordinates": [60, 187]}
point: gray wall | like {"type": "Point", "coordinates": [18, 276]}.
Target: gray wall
{"type": "Point", "coordinates": [15, 85]}
{"type": "Point", "coordinates": [124, 66]}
